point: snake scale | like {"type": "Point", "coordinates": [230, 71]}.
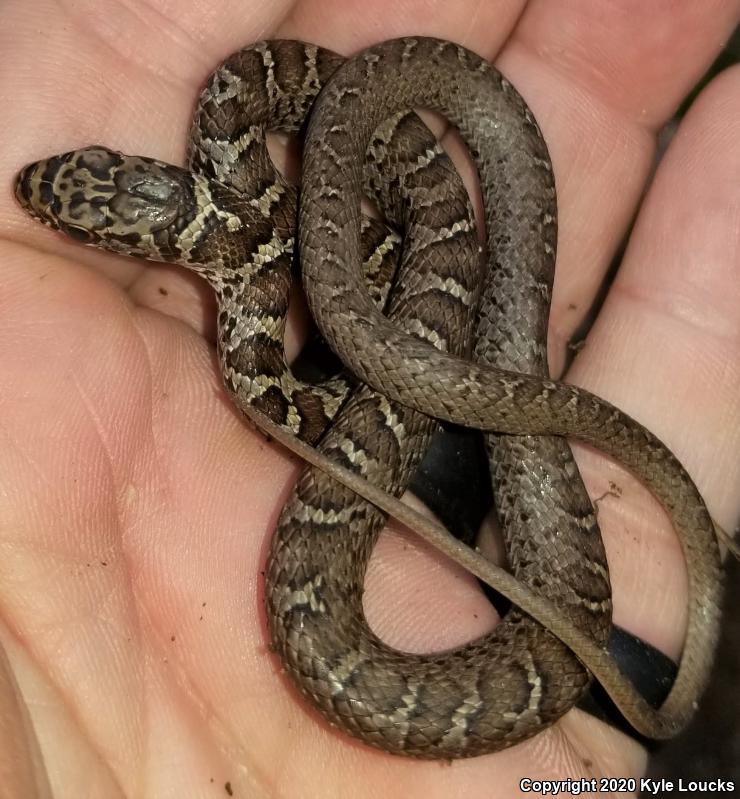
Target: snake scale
{"type": "Point", "coordinates": [230, 218]}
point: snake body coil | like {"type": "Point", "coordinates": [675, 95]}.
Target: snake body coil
{"type": "Point", "coordinates": [230, 217]}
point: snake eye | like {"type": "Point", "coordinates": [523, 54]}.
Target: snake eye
{"type": "Point", "coordinates": [77, 233]}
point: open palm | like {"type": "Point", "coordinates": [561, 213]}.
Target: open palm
{"type": "Point", "coordinates": [135, 504]}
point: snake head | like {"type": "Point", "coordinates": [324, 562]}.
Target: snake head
{"type": "Point", "coordinates": [122, 203]}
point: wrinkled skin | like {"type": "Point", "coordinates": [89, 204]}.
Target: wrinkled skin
{"type": "Point", "coordinates": [135, 505]}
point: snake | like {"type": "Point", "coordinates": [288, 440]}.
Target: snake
{"type": "Point", "coordinates": [429, 327]}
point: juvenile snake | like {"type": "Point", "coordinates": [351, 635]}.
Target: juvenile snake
{"type": "Point", "coordinates": [230, 218]}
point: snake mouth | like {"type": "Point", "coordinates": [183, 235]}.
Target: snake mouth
{"type": "Point", "coordinates": [99, 196]}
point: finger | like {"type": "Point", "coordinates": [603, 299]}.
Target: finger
{"type": "Point", "coordinates": [351, 26]}
{"type": "Point", "coordinates": [602, 79]}
{"type": "Point", "coordinates": [666, 349]}
{"type": "Point", "coordinates": [20, 757]}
